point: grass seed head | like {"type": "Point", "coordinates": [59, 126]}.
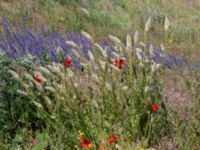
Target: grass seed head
{"type": "Point", "coordinates": [151, 51]}
{"type": "Point", "coordinates": [85, 12]}
{"type": "Point", "coordinates": [38, 105]}
{"type": "Point", "coordinates": [87, 36]}
{"type": "Point", "coordinates": [45, 70]}
{"type": "Point", "coordinates": [15, 75]}
{"type": "Point", "coordinates": [29, 77]}
{"type": "Point", "coordinates": [22, 92]}
{"type": "Point", "coordinates": [48, 101]}
{"type": "Point", "coordinates": [167, 24]}
{"type": "Point", "coordinates": [148, 24]}
{"type": "Point", "coordinates": [50, 88]}
{"type": "Point", "coordinates": [128, 42]}
{"type": "Point", "coordinates": [71, 43]}
{"type": "Point", "coordinates": [136, 37]}
{"type": "Point", "coordinates": [139, 53]}
{"type": "Point", "coordinates": [115, 40]}
{"type": "Point", "coordinates": [91, 56]}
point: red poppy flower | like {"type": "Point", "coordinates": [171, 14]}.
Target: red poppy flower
{"type": "Point", "coordinates": [155, 107]}
{"type": "Point", "coordinates": [112, 139]}
{"type": "Point", "coordinates": [37, 79]}
{"type": "Point", "coordinates": [119, 63]}
{"type": "Point", "coordinates": [85, 143]}
{"type": "Point", "coordinates": [68, 62]}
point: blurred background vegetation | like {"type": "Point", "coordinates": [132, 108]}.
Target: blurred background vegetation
{"type": "Point", "coordinates": [117, 17]}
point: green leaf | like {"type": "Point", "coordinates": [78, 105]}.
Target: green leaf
{"type": "Point", "coordinates": [40, 146]}
{"type": "Point", "coordinates": [18, 139]}
{"type": "Point", "coordinates": [42, 141]}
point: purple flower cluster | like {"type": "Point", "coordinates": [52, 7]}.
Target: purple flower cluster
{"type": "Point", "coordinates": [170, 60]}
{"type": "Point", "coordinates": [18, 41]}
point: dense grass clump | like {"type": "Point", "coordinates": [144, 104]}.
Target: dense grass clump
{"type": "Point", "coordinates": [105, 97]}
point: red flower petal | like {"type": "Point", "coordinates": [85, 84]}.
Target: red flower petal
{"type": "Point", "coordinates": [112, 139]}
{"type": "Point", "coordinates": [68, 62]}
{"type": "Point", "coordinates": [37, 79]}
{"type": "Point", "coordinates": [154, 107]}
{"type": "Point", "coordinates": [119, 63]}
{"type": "Point", "coordinates": [85, 143]}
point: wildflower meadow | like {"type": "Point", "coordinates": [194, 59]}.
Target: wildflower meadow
{"type": "Point", "coordinates": [99, 75]}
